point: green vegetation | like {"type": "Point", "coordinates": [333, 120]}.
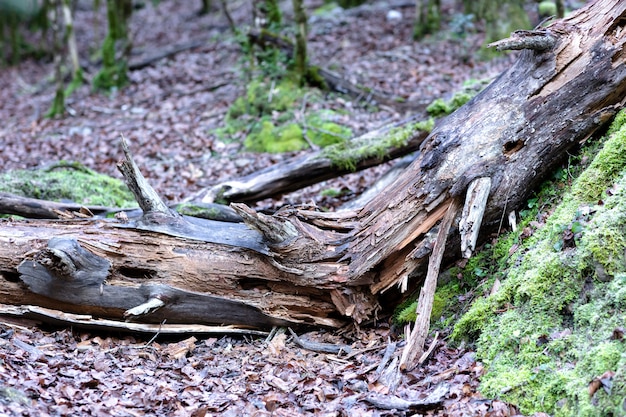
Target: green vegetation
{"type": "Point", "coordinates": [14, 15]}
{"type": "Point", "coordinates": [445, 304]}
{"type": "Point", "coordinates": [556, 322]}
{"type": "Point", "coordinates": [440, 107]}
{"type": "Point", "coordinates": [347, 154]}
{"type": "Point", "coordinates": [116, 47]}
{"type": "Point", "coordinates": [268, 113]}
{"type": "Point", "coordinates": [547, 8]}
{"type": "Point", "coordinates": [500, 19]}
{"type": "Point", "coordinates": [427, 18]}
{"type": "Point", "coordinates": [68, 181]}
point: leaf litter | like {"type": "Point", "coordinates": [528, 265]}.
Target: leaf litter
{"type": "Point", "coordinates": [168, 113]}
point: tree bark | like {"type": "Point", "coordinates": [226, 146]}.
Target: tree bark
{"type": "Point", "coordinates": [307, 267]}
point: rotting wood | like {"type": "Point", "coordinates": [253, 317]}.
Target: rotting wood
{"type": "Point", "coordinates": [81, 321]}
{"type": "Point", "coordinates": [41, 209]}
{"type": "Point", "coordinates": [314, 167]}
{"type": "Point", "coordinates": [297, 267]}
{"type": "Point", "coordinates": [472, 214]}
{"type": "Point", "coordinates": [416, 337]}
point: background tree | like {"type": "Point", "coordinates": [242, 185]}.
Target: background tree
{"type": "Point", "coordinates": [427, 17]}
{"type": "Point", "coordinates": [116, 46]}
{"type": "Point", "coordinates": [64, 46]}
{"type": "Point", "coordinates": [300, 67]}
{"type": "Point", "coordinates": [14, 14]}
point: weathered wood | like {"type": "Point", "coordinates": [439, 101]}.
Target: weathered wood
{"type": "Point", "coordinates": [40, 209]}
{"type": "Point", "coordinates": [514, 132]}
{"type": "Point", "coordinates": [417, 336]}
{"type": "Point", "coordinates": [472, 215]}
{"type": "Point", "coordinates": [311, 168]}
{"type": "Point", "coordinates": [300, 266]}
{"type": "Point", "coordinates": [40, 315]}
{"type": "Point", "coordinates": [202, 282]}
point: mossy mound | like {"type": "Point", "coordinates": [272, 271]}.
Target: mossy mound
{"type": "Point", "coordinates": [556, 324]}
{"type": "Point", "coordinates": [268, 113]}
{"type": "Point", "coordinates": [68, 182]}
{"type": "Point", "coordinates": [263, 98]}
{"type": "Point", "coordinates": [319, 130]}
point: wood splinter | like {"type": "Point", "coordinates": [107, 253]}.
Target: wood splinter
{"type": "Point", "coordinates": [150, 306]}
{"type": "Point", "coordinates": [472, 215]}
{"type": "Point", "coordinates": [146, 196]}
{"type": "Point", "coordinates": [417, 337]}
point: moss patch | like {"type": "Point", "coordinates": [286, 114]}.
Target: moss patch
{"type": "Point", "coordinates": [273, 137]}
{"type": "Point", "coordinates": [68, 182]}
{"type": "Point", "coordinates": [555, 324]}
{"type": "Point", "coordinates": [441, 107]}
{"type": "Point", "coordinates": [444, 302]}
{"type": "Point", "coordinates": [267, 114]}
{"type": "Point", "coordinates": [347, 154]}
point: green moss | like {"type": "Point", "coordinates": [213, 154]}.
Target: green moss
{"type": "Point", "coordinates": [606, 166]}
{"type": "Point", "coordinates": [547, 8]}
{"type": "Point", "coordinates": [444, 303]}
{"type": "Point", "coordinates": [68, 181]}
{"type": "Point", "coordinates": [346, 155]}
{"type": "Point", "coordinates": [331, 192]}
{"type": "Point", "coordinates": [113, 73]}
{"type": "Point", "coordinates": [440, 107]}
{"type": "Point", "coordinates": [323, 132]}
{"type": "Point", "coordinates": [314, 79]}
{"type": "Point", "coordinates": [549, 330]}
{"type": "Point", "coordinates": [264, 97]}
{"type": "Point", "coordinates": [269, 138]}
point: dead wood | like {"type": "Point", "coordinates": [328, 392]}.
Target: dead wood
{"type": "Point", "coordinates": [417, 336]}
{"type": "Point", "coordinates": [41, 209]}
{"type": "Point", "coordinates": [333, 161]}
{"type": "Point", "coordinates": [157, 55]}
{"type": "Point", "coordinates": [307, 267]}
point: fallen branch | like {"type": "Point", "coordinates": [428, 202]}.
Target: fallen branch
{"type": "Point", "coordinates": [83, 321]}
{"type": "Point", "coordinates": [319, 347]}
{"type": "Point", "coordinates": [139, 63]}
{"type": "Point", "coordinates": [393, 402]}
{"type": "Point", "coordinates": [388, 142]}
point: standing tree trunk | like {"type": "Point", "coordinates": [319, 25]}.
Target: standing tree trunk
{"type": "Point", "coordinates": [58, 103]}
{"type": "Point", "coordinates": [116, 46]}
{"type": "Point", "coordinates": [300, 67]}
{"type": "Point", "coordinates": [311, 267]}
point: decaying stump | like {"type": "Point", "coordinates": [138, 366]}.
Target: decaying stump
{"type": "Point", "coordinates": [302, 266]}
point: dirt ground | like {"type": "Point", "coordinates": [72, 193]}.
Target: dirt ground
{"type": "Point", "coordinates": [168, 113]}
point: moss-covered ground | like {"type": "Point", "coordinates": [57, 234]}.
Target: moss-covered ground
{"type": "Point", "coordinates": [271, 115]}
{"type": "Point", "coordinates": [551, 337]}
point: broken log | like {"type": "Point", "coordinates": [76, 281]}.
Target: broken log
{"type": "Point", "coordinates": [368, 150]}
{"type": "Point", "coordinates": [307, 267]}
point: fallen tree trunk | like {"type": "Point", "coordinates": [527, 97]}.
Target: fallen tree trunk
{"type": "Point", "coordinates": [304, 266]}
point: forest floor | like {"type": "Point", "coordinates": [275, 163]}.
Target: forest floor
{"type": "Point", "coordinates": [169, 113]}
